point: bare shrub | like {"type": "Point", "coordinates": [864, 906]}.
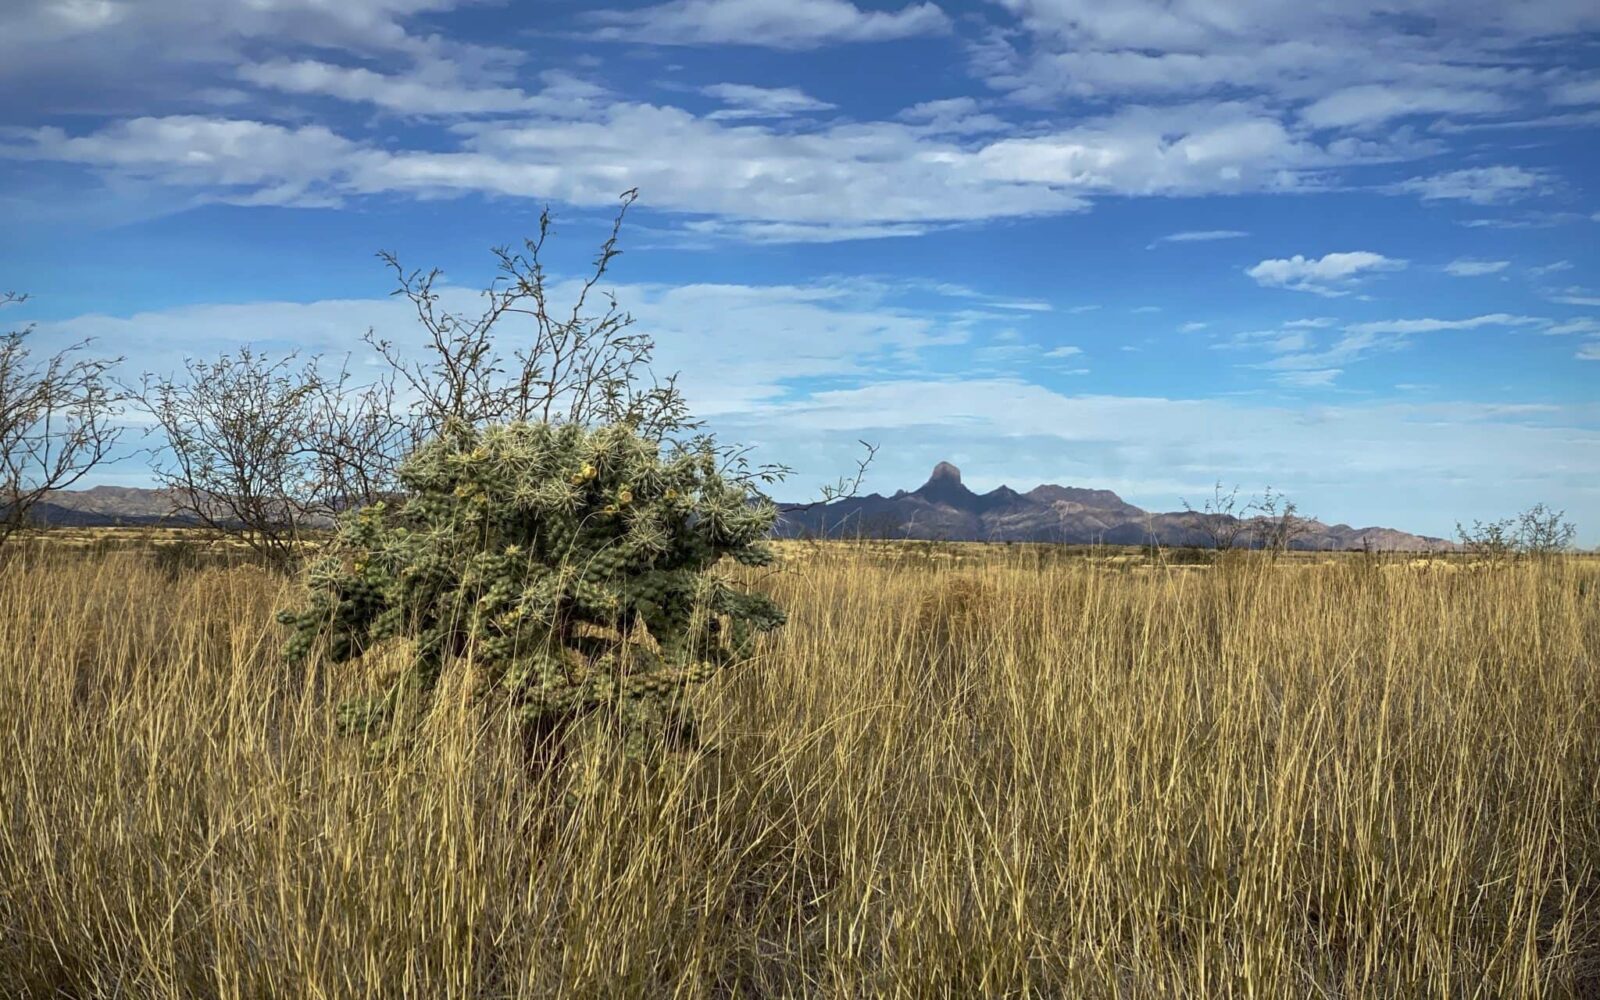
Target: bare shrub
{"type": "Point", "coordinates": [1220, 517]}
{"type": "Point", "coordinates": [57, 417]}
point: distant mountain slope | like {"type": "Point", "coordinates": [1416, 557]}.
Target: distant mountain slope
{"type": "Point", "coordinates": [106, 506]}
{"type": "Point", "coordinates": [944, 508]}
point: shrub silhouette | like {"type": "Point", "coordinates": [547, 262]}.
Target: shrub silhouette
{"type": "Point", "coordinates": [571, 566]}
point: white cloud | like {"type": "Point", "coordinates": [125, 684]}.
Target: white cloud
{"type": "Point", "coordinates": [808, 331]}
{"type": "Point", "coordinates": [1063, 352]}
{"type": "Point", "coordinates": [1407, 326]}
{"type": "Point", "coordinates": [780, 24]}
{"type": "Point", "coordinates": [1477, 185]}
{"type": "Point", "coordinates": [1330, 275]}
{"type": "Point", "coordinates": [804, 185]}
{"type": "Point", "coordinates": [432, 88]}
{"type": "Point", "coordinates": [1311, 378]}
{"type": "Point", "coordinates": [1554, 267]}
{"type": "Point", "coordinates": [803, 182]}
{"type": "Point", "coordinates": [1581, 325]}
{"type": "Point", "coordinates": [1468, 268]}
{"type": "Point", "coordinates": [1589, 352]}
{"type": "Point", "coordinates": [1299, 361]}
{"type": "Point", "coordinates": [252, 162]}
{"type": "Point", "coordinates": [953, 116]}
{"type": "Point", "coordinates": [1203, 148]}
{"type": "Point", "coordinates": [95, 55]}
{"type": "Point", "coordinates": [745, 101]}
{"type": "Point", "coordinates": [1577, 92]}
{"type": "Point", "coordinates": [1348, 67]}
{"type": "Point", "coordinates": [1372, 104]}
{"type": "Point", "coordinates": [1280, 341]}
{"type": "Point", "coordinates": [1197, 236]}
{"type": "Point", "coordinates": [1193, 327]}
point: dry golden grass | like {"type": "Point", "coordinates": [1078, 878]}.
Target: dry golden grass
{"type": "Point", "coordinates": [992, 775]}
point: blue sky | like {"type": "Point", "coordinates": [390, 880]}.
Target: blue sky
{"type": "Point", "coordinates": [1348, 249]}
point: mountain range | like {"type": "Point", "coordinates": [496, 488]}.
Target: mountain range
{"type": "Point", "coordinates": [943, 508]}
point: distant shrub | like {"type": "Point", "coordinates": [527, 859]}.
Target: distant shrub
{"type": "Point", "coordinates": [1537, 531]}
{"type": "Point", "coordinates": [572, 566]}
{"type": "Point", "coordinates": [174, 559]}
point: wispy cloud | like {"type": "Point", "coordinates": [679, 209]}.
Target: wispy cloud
{"type": "Point", "coordinates": [1408, 326]}
{"type": "Point", "coordinates": [1554, 267]}
{"type": "Point", "coordinates": [1477, 185]}
{"type": "Point", "coordinates": [1576, 295]}
{"type": "Point", "coordinates": [1197, 236]}
{"type": "Point", "coordinates": [1581, 325]}
{"type": "Point", "coordinates": [1301, 360]}
{"type": "Point", "coordinates": [1467, 268]}
{"type": "Point", "coordinates": [1310, 378]}
{"type": "Point", "coordinates": [746, 101]}
{"type": "Point", "coordinates": [1373, 104]}
{"type": "Point", "coordinates": [779, 24]}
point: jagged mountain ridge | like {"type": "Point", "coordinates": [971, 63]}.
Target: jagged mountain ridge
{"type": "Point", "coordinates": [944, 508]}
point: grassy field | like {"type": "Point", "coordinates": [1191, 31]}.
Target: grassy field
{"type": "Point", "coordinates": [959, 771]}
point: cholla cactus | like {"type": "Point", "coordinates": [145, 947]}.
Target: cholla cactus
{"type": "Point", "coordinates": [570, 565]}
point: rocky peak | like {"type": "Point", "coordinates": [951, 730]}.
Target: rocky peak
{"type": "Point", "coordinates": [944, 487]}
{"type": "Point", "coordinates": [944, 472]}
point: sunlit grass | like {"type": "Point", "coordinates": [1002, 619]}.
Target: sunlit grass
{"type": "Point", "coordinates": [962, 772]}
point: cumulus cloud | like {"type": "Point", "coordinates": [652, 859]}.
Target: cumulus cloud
{"type": "Point", "coordinates": [779, 24]}
{"type": "Point", "coordinates": [1330, 275]}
